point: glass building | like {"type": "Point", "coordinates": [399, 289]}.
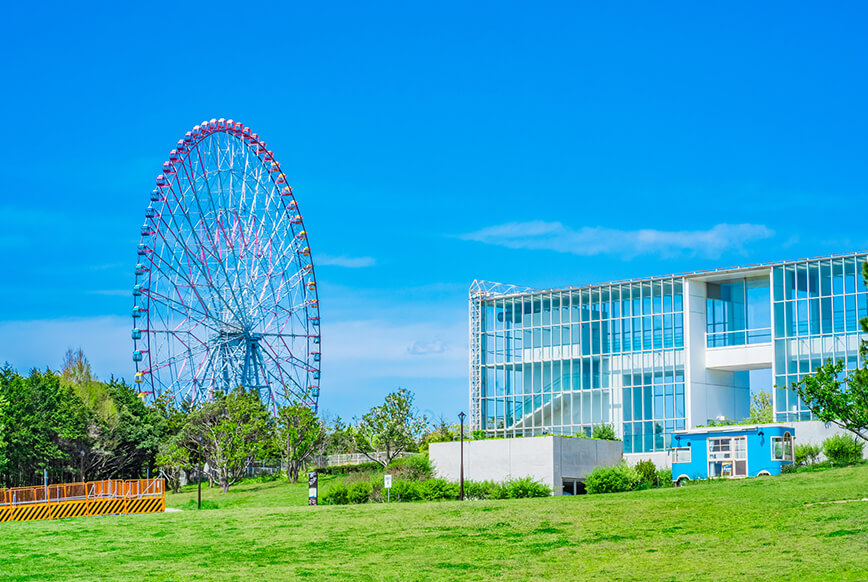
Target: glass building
{"type": "Point", "coordinates": [651, 356]}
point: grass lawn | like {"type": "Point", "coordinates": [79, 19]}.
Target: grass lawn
{"type": "Point", "coordinates": [751, 529]}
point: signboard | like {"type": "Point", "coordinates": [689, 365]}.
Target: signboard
{"type": "Point", "coordinates": [387, 481]}
{"type": "Point", "coordinates": [312, 480]}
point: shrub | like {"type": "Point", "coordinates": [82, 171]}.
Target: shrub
{"type": "Point", "coordinates": [417, 468]}
{"type": "Point", "coordinates": [360, 492]}
{"type": "Point", "coordinates": [647, 472]}
{"type": "Point", "coordinates": [403, 490]}
{"type": "Point", "coordinates": [842, 449]}
{"type": "Point", "coordinates": [478, 435]}
{"type": "Point", "coordinates": [484, 490]}
{"type": "Point", "coordinates": [604, 432]}
{"type": "Point", "coordinates": [436, 489]}
{"type": "Point", "coordinates": [789, 468]}
{"type": "Point", "coordinates": [612, 479]}
{"type": "Point", "coordinates": [337, 494]}
{"type": "Point", "coordinates": [807, 454]}
{"type": "Point", "coordinates": [664, 478]}
{"type": "Point", "coordinates": [526, 487]}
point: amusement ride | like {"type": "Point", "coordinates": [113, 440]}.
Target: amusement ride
{"type": "Point", "coordinates": [225, 293]}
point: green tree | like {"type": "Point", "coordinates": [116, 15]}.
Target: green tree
{"type": "Point", "coordinates": [4, 405]}
{"type": "Point", "coordinates": [76, 367]}
{"type": "Point", "coordinates": [229, 433]}
{"type": "Point", "coordinates": [299, 433]}
{"type": "Point", "coordinates": [761, 408]}
{"type": "Point", "coordinates": [339, 438]}
{"type": "Point", "coordinates": [173, 458]}
{"type": "Point", "coordinates": [389, 429]}
{"type": "Point", "coordinates": [836, 397]}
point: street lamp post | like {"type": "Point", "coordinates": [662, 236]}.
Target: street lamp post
{"type": "Point", "coordinates": [200, 472]}
{"type": "Point", "coordinates": [461, 466]}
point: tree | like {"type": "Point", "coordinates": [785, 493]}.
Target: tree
{"type": "Point", "coordinates": [761, 408]}
{"type": "Point", "coordinates": [229, 433]}
{"type": "Point", "coordinates": [76, 367]}
{"type": "Point", "coordinates": [389, 429]}
{"type": "Point", "coordinates": [339, 438]}
{"type": "Point", "coordinates": [173, 458]}
{"type": "Point", "coordinates": [4, 405]}
{"type": "Point", "coordinates": [299, 433]}
{"type": "Point", "coordinates": [838, 398]}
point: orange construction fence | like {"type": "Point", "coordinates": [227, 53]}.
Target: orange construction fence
{"type": "Point", "coordinates": [83, 499]}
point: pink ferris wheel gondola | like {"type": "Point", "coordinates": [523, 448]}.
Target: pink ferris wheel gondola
{"type": "Point", "coordinates": [225, 293]}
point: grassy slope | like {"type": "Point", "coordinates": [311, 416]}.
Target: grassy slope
{"type": "Point", "coordinates": [753, 529]}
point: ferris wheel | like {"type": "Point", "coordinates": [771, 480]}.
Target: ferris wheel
{"type": "Point", "coordinates": [225, 293]}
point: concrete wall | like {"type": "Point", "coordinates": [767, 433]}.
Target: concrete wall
{"type": "Point", "coordinates": [548, 459]}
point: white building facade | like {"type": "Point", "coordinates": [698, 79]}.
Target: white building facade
{"type": "Point", "coordinates": [652, 356]}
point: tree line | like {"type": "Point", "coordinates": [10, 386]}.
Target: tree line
{"type": "Point", "coordinates": [68, 426]}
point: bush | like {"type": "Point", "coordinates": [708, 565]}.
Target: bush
{"type": "Point", "coordinates": [788, 468]}
{"type": "Point", "coordinates": [337, 494]}
{"type": "Point", "coordinates": [417, 468]}
{"type": "Point", "coordinates": [664, 478]}
{"type": "Point", "coordinates": [612, 479]}
{"type": "Point", "coordinates": [604, 432]}
{"type": "Point", "coordinates": [647, 472]}
{"type": "Point", "coordinates": [403, 490]}
{"type": "Point", "coordinates": [807, 454]}
{"type": "Point", "coordinates": [526, 487]}
{"type": "Point", "coordinates": [842, 449]}
{"type": "Point", "coordinates": [360, 492]}
{"type": "Point", "coordinates": [436, 489]}
{"type": "Point", "coordinates": [484, 490]}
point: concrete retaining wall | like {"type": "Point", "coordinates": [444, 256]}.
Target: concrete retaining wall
{"type": "Point", "coordinates": [549, 459]}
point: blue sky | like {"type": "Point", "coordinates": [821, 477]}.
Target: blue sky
{"type": "Point", "coordinates": [428, 144]}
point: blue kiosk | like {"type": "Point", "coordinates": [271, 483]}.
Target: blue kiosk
{"type": "Point", "coordinates": [731, 451]}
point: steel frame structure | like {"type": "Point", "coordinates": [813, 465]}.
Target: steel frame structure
{"type": "Point", "coordinates": [225, 282]}
{"type": "Point", "coordinates": [479, 290]}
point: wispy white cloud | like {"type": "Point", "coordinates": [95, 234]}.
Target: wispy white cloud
{"type": "Point", "coordinates": [424, 348]}
{"type": "Point", "coordinates": [588, 241]}
{"type": "Point", "coordinates": [342, 261]}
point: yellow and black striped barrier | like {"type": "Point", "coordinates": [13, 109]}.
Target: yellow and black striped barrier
{"type": "Point", "coordinates": [111, 497]}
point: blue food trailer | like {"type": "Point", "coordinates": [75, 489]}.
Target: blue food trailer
{"type": "Point", "coordinates": [731, 451]}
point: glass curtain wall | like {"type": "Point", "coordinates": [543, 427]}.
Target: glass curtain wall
{"type": "Point", "coordinates": [558, 362]}
{"type": "Point", "coordinates": [738, 313]}
{"type": "Point", "coordinates": [817, 307]}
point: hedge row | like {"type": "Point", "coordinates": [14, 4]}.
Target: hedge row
{"type": "Point", "coordinates": [341, 493]}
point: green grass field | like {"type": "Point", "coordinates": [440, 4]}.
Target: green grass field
{"type": "Point", "coordinates": [754, 529]}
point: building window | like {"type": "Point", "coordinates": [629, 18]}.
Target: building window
{"type": "Point", "coordinates": [727, 457]}
{"type": "Point", "coordinates": [782, 448]}
{"type": "Point", "coordinates": [681, 455]}
{"type": "Point", "coordinates": [738, 313]}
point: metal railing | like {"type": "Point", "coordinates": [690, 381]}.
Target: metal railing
{"type": "Point", "coordinates": [354, 458]}
{"type": "Point", "coordinates": [112, 496]}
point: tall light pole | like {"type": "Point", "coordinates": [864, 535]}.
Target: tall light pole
{"type": "Point", "coordinates": [461, 415]}
{"type": "Point", "coordinates": [200, 472]}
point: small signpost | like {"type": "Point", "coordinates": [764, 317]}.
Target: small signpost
{"type": "Point", "coordinates": [312, 488]}
{"type": "Point", "coordinates": [387, 483]}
